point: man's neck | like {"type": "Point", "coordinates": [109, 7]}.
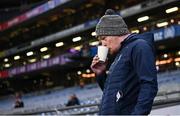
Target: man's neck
{"type": "Point", "coordinates": [124, 37]}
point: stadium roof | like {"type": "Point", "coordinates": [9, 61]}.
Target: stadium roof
{"type": "Point", "coordinates": [23, 38]}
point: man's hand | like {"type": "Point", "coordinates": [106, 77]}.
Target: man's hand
{"type": "Point", "coordinates": [97, 66]}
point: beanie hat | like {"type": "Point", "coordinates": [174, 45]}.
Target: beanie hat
{"type": "Point", "coordinates": [111, 24]}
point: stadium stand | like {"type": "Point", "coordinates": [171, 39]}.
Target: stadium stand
{"type": "Point", "coordinates": [65, 69]}
{"type": "Point", "coordinates": [169, 88]}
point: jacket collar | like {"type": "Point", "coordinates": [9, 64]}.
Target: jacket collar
{"type": "Point", "coordinates": [127, 40]}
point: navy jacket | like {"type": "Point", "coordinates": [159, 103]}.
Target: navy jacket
{"type": "Point", "coordinates": [131, 84]}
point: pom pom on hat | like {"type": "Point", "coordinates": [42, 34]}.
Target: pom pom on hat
{"type": "Point", "coordinates": [110, 12]}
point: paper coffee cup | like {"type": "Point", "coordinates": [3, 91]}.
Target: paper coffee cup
{"type": "Point", "coordinates": [102, 53]}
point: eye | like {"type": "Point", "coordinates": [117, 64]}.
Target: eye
{"type": "Point", "coordinates": [101, 38]}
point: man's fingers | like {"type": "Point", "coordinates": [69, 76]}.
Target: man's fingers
{"type": "Point", "coordinates": [96, 58]}
{"type": "Point", "coordinates": [94, 61]}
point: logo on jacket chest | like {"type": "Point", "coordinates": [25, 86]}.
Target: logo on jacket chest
{"type": "Point", "coordinates": [119, 95]}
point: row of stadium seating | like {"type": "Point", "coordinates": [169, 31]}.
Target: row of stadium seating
{"type": "Point", "coordinates": [54, 98]}
{"type": "Point", "coordinates": [91, 94]}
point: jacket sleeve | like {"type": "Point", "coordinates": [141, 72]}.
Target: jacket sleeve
{"type": "Point", "coordinates": [101, 80]}
{"type": "Point", "coordinates": [144, 64]}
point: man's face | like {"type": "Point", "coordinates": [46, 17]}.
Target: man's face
{"type": "Point", "coordinates": [111, 42]}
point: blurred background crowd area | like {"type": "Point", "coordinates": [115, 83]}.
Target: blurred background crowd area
{"type": "Point", "coordinates": [46, 48]}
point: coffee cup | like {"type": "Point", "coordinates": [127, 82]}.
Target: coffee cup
{"type": "Point", "coordinates": [102, 53]}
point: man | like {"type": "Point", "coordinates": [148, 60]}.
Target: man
{"type": "Point", "coordinates": [131, 84]}
{"type": "Point", "coordinates": [18, 100]}
{"type": "Point", "coordinates": [18, 103]}
{"type": "Point", "coordinates": [73, 100]}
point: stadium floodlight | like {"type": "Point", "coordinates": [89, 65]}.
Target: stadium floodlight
{"type": "Point", "coordinates": [93, 33]}
{"type": "Point", "coordinates": [95, 43]}
{"type": "Point", "coordinates": [135, 31]}
{"type": "Point", "coordinates": [7, 65]}
{"type": "Point", "coordinates": [170, 10]}
{"type": "Point", "coordinates": [79, 73]}
{"type": "Point", "coordinates": [78, 47]}
{"type": "Point", "coordinates": [162, 24]}
{"type": "Point", "coordinates": [16, 57]}
{"type": "Point", "coordinates": [144, 18]}
{"type": "Point", "coordinates": [179, 53]}
{"type": "Point", "coordinates": [88, 71]}
{"type": "Point", "coordinates": [6, 60]}
{"type": "Point", "coordinates": [43, 49]}
{"type": "Point", "coordinates": [46, 56]}
{"type": "Point", "coordinates": [165, 55]}
{"type": "Point", "coordinates": [172, 20]}
{"type": "Point", "coordinates": [76, 39]}
{"type": "Point", "coordinates": [29, 53]}
{"type": "Point", "coordinates": [32, 60]}
{"type": "Point", "coordinates": [59, 44]}
{"type": "Point", "coordinates": [177, 64]}
{"type": "Point", "coordinates": [145, 28]}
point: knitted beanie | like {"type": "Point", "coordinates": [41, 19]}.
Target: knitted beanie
{"type": "Point", "coordinates": [111, 24]}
